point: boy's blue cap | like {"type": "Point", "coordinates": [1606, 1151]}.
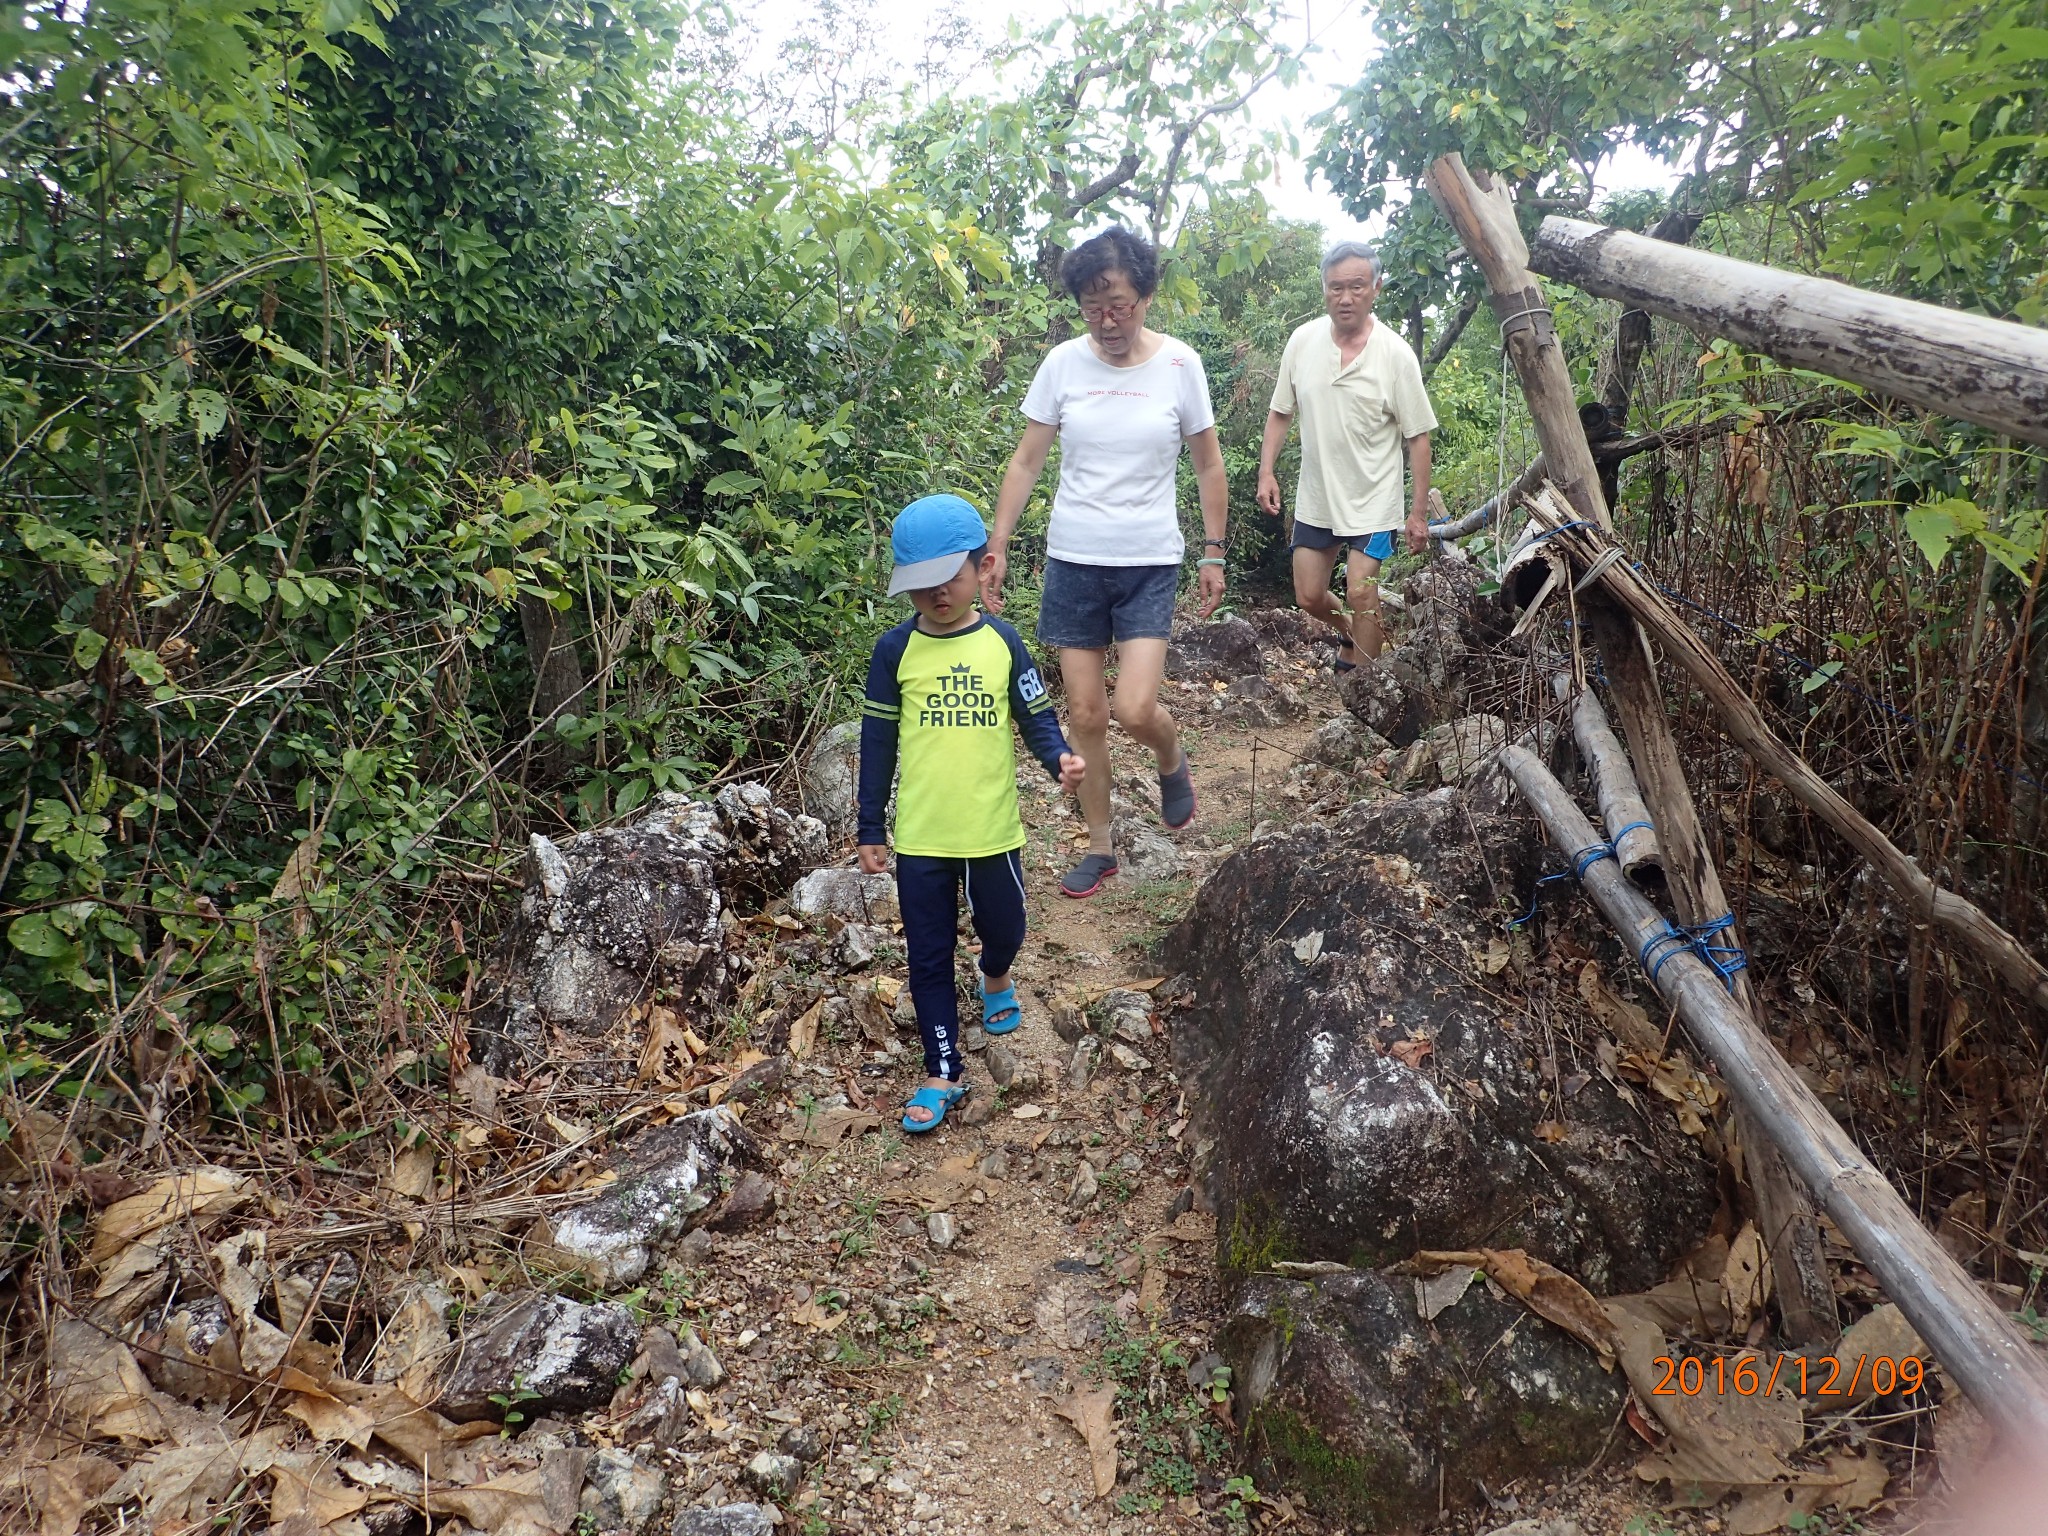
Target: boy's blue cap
{"type": "Point", "coordinates": [928, 538]}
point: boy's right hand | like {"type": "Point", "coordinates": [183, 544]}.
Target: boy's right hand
{"type": "Point", "coordinates": [874, 859]}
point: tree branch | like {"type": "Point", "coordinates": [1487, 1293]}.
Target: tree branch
{"type": "Point", "coordinates": [1447, 338]}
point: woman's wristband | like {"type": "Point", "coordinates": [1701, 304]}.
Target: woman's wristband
{"type": "Point", "coordinates": [1210, 560]}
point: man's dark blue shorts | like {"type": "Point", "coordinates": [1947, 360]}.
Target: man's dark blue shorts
{"type": "Point", "coordinates": [1085, 607]}
{"type": "Point", "coordinates": [1374, 546]}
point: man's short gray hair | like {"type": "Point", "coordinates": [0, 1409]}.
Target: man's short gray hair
{"type": "Point", "coordinates": [1347, 250]}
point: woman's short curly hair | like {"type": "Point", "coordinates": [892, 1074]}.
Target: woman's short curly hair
{"type": "Point", "coordinates": [1116, 249]}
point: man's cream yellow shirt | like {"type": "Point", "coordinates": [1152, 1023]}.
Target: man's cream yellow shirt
{"type": "Point", "coordinates": [1353, 421]}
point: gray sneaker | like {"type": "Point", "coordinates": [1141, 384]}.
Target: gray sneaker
{"type": "Point", "coordinates": [1177, 796]}
{"type": "Point", "coordinates": [1086, 877]}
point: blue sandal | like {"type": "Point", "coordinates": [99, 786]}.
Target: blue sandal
{"type": "Point", "coordinates": [938, 1101]}
{"type": "Point", "coordinates": [993, 1003]}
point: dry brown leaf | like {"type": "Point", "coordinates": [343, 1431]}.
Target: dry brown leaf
{"type": "Point", "coordinates": [1093, 1414]}
{"type": "Point", "coordinates": [180, 1486]}
{"type": "Point", "coordinates": [1066, 1313]}
{"type": "Point", "coordinates": [829, 1127]}
{"type": "Point", "coordinates": [1717, 1443]}
{"type": "Point", "coordinates": [1746, 1282]}
{"type": "Point", "coordinates": [811, 1315]}
{"type": "Point", "coordinates": [62, 1490]}
{"type": "Point", "coordinates": [1543, 1288]}
{"type": "Point", "coordinates": [1551, 1130]}
{"type": "Point", "coordinates": [304, 1488]}
{"type": "Point", "coordinates": [36, 1142]}
{"type": "Point", "coordinates": [412, 1173]}
{"type": "Point", "coordinates": [1628, 1023]}
{"type": "Point", "coordinates": [666, 1056]}
{"type": "Point", "coordinates": [330, 1419]}
{"type": "Point", "coordinates": [1191, 1227]}
{"type": "Point", "coordinates": [1411, 1053]}
{"type": "Point", "coordinates": [1436, 1294]}
{"type": "Point", "coordinates": [1882, 1333]}
{"type": "Point", "coordinates": [952, 1183]}
{"type": "Point", "coordinates": [417, 1433]}
{"type": "Point", "coordinates": [413, 1343]}
{"type": "Point", "coordinates": [1151, 1288]}
{"type": "Point", "coordinates": [888, 989]}
{"type": "Point", "coordinates": [198, 1193]}
{"type": "Point", "coordinates": [803, 1034]}
{"type": "Point", "coordinates": [98, 1389]}
{"type": "Point", "coordinates": [512, 1505]}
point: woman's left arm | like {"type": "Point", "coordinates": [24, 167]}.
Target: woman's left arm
{"type": "Point", "coordinates": [1214, 485]}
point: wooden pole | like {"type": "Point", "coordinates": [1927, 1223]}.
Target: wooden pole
{"type": "Point", "coordinates": [1627, 818]}
{"type": "Point", "coordinates": [1970, 1336]}
{"type": "Point", "coordinates": [1746, 726]}
{"type": "Point", "coordinates": [1483, 214]}
{"type": "Point", "coordinates": [1983, 370]}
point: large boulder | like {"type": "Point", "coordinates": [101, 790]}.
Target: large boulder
{"type": "Point", "coordinates": [1349, 1394]}
{"type": "Point", "coordinates": [1368, 1090]}
{"type": "Point", "coordinates": [1213, 651]}
{"type": "Point", "coordinates": [614, 916]}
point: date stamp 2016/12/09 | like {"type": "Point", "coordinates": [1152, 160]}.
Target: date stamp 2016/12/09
{"type": "Point", "coordinates": [1759, 1375]}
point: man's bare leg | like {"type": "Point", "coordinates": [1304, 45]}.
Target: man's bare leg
{"type": "Point", "coordinates": [1312, 571]}
{"type": "Point", "coordinates": [1362, 590]}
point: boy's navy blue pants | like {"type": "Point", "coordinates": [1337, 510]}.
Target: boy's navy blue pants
{"type": "Point", "coordinates": [928, 892]}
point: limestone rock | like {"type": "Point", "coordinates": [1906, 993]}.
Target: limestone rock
{"type": "Point", "coordinates": [831, 780]}
{"type": "Point", "coordinates": [541, 1355]}
{"type": "Point", "coordinates": [942, 1229]}
{"type": "Point", "coordinates": [621, 1494]}
{"type": "Point", "coordinates": [857, 945]}
{"type": "Point", "coordinates": [614, 915]}
{"type": "Point", "coordinates": [1343, 741]}
{"type": "Point", "coordinates": [1144, 853]}
{"type": "Point", "coordinates": [724, 1520]}
{"type": "Point", "coordinates": [1255, 701]}
{"type": "Point", "coordinates": [667, 1174]}
{"type": "Point", "coordinates": [748, 1203]}
{"type": "Point", "coordinates": [1365, 1094]}
{"type": "Point", "coordinates": [845, 893]}
{"type": "Point", "coordinates": [1356, 1400]}
{"type": "Point", "coordinates": [1213, 651]}
{"type": "Point", "coordinates": [774, 1474]}
{"type": "Point", "coordinates": [803, 1442]}
{"type": "Point", "coordinates": [1388, 697]}
{"type": "Point", "coordinates": [1461, 747]}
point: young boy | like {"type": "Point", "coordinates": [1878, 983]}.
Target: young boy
{"type": "Point", "coordinates": [943, 688]}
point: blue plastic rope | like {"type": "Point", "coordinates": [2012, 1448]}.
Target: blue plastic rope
{"type": "Point", "coordinates": [1723, 959]}
{"type": "Point", "coordinates": [1582, 861]}
{"type": "Point", "coordinates": [1635, 826]}
{"type": "Point", "coordinates": [1551, 533]}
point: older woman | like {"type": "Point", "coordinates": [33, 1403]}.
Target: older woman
{"type": "Point", "coordinates": [1122, 400]}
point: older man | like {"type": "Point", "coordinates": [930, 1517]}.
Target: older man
{"type": "Point", "coordinates": [1359, 393]}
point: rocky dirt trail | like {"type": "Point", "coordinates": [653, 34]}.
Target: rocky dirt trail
{"type": "Point", "coordinates": [655, 1255]}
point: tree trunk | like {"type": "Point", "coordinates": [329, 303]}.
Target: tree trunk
{"type": "Point", "coordinates": [1632, 335]}
{"type": "Point", "coordinates": [557, 676]}
{"type": "Point", "coordinates": [1970, 366]}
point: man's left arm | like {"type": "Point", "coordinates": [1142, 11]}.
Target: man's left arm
{"type": "Point", "coordinates": [1418, 509]}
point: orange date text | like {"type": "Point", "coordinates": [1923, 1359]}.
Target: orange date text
{"type": "Point", "coordinates": [1761, 1375]}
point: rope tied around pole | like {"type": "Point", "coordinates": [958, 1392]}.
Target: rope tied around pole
{"type": "Point", "coordinates": [1635, 826]}
{"type": "Point", "coordinates": [1724, 960]}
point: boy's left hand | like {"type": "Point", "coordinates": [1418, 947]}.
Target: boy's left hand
{"type": "Point", "coordinates": [1073, 769]}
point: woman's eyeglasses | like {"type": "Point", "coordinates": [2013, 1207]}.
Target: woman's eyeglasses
{"type": "Point", "coordinates": [1095, 314]}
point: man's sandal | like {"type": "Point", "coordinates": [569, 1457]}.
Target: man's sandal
{"type": "Point", "coordinates": [1177, 796]}
{"type": "Point", "coordinates": [938, 1101]}
{"type": "Point", "coordinates": [1000, 1012]}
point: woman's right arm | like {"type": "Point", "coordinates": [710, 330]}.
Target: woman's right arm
{"type": "Point", "coordinates": [1025, 466]}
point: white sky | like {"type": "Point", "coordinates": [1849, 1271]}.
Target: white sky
{"type": "Point", "coordinates": [1343, 36]}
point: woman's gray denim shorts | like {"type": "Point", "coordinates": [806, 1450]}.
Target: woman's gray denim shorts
{"type": "Point", "coordinates": [1085, 607]}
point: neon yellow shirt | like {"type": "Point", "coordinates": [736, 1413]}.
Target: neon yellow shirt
{"type": "Point", "coordinates": [942, 705]}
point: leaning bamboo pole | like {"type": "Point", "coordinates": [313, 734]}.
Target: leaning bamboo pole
{"type": "Point", "coordinates": [1627, 819]}
{"type": "Point", "coordinates": [1990, 371]}
{"type": "Point", "coordinates": [1971, 1337]}
{"type": "Point", "coordinates": [1744, 723]}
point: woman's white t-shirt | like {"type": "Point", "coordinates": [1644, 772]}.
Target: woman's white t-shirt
{"type": "Point", "coordinates": [1121, 431]}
